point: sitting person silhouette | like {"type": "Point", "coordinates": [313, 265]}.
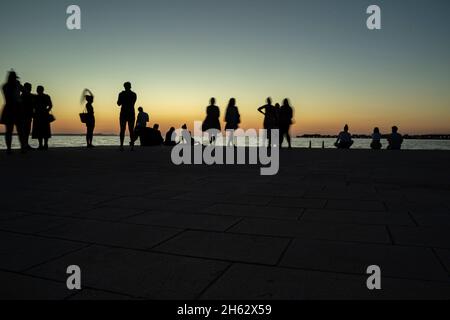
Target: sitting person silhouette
{"type": "Point", "coordinates": [151, 137]}
{"type": "Point", "coordinates": [395, 139]}
{"type": "Point", "coordinates": [344, 139]}
{"type": "Point", "coordinates": [169, 141]}
{"type": "Point", "coordinates": [184, 128]}
{"type": "Point", "coordinates": [376, 139]}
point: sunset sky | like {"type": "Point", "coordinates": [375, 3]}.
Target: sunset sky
{"type": "Point", "coordinates": [179, 53]}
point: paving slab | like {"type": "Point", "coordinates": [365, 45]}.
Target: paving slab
{"type": "Point", "coordinates": [139, 274]}
{"type": "Point", "coordinates": [184, 221]}
{"type": "Point", "coordinates": [272, 283]}
{"type": "Point", "coordinates": [394, 261]}
{"type": "Point", "coordinates": [298, 202]}
{"type": "Point", "coordinates": [313, 230]}
{"type": "Point", "coordinates": [437, 237]}
{"type": "Point", "coordinates": [254, 211]}
{"type": "Point", "coordinates": [22, 287]}
{"type": "Point", "coordinates": [19, 252]}
{"type": "Point", "coordinates": [358, 205]}
{"type": "Point", "coordinates": [232, 247]}
{"type": "Point", "coordinates": [358, 217]}
{"type": "Point", "coordinates": [113, 234]}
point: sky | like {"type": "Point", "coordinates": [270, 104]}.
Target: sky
{"type": "Point", "coordinates": [179, 53]}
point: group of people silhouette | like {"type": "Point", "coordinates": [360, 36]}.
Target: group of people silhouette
{"type": "Point", "coordinates": [32, 114]}
{"type": "Point", "coordinates": [27, 112]}
{"type": "Point", "coordinates": [395, 139]}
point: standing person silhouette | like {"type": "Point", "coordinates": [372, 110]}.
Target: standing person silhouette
{"type": "Point", "coordinates": [141, 123]}
{"type": "Point", "coordinates": [126, 101]}
{"type": "Point", "coordinates": [11, 111]}
{"type": "Point", "coordinates": [90, 119]}
{"type": "Point", "coordinates": [285, 121]}
{"type": "Point", "coordinates": [212, 121]}
{"type": "Point", "coordinates": [232, 119]}
{"type": "Point", "coordinates": [270, 119]}
{"type": "Point", "coordinates": [28, 109]}
{"type": "Point", "coordinates": [41, 124]}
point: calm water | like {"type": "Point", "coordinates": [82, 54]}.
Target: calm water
{"type": "Point", "coordinates": [79, 141]}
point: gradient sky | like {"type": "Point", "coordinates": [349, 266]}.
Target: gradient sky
{"type": "Point", "coordinates": [179, 53]}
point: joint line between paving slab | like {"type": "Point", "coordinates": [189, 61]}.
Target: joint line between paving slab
{"type": "Point", "coordinates": [440, 260]}
{"type": "Point", "coordinates": [283, 253]}
{"type": "Point", "coordinates": [56, 258]}
{"type": "Point", "coordinates": [213, 281]}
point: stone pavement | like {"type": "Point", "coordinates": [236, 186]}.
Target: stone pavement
{"type": "Point", "coordinates": [140, 227]}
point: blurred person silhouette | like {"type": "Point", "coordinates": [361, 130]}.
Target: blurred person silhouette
{"type": "Point", "coordinates": [28, 110]}
{"type": "Point", "coordinates": [285, 121]}
{"type": "Point", "coordinates": [232, 119]}
{"type": "Point", "coordinates": [11, 111]}
{"type": "Point", "coordinates": [170, 140]}
{"type": "Point", "coordinates": [270, 119]}
{"type": "Point", "coordinates": [277, 109]}
{"type": "Point", "coordinates": [395, 139]}
{"type": "Point", "coordinates": [42, 118]}
{"type": "Point", "coordinates": [212, 121]}
{"type": "Point", "coordinates": [88, 96]}
{"type": "Point", "coordinates": [344, 139]}
{"type": "Point", "coordinates": [185, 129]}
{"type": "Point", "coordinates": [151, 137]}
{"type": "Point", "coordinates": [126, 101]}
{"type": "Point", "coordinates": [141, 123]}
{"type": "Point", "coordinates": [376, 139]}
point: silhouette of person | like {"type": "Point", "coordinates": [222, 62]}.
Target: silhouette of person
{"type": "Point", "coordinates": [376, 139]}
{"type": "Point", "coordinates": [27, 113]}
{"type": "Point", "coordinates": [157, 134]}
{"type": "Point", "coordinates": [344, 139]}
{"type": "Point", "coordinates": [169, 141]}
{"type": "Point", "coordinates": [151, 136]}
{"type": "Point", "coordinates": [212, 121]}
{"type": "Point", "coordinates": [184, 128]}
{"type": "Point", "coordinates": [277, 109]}
{"type": "Point", "coordinates": [90, 119]}
{"type": "Point", "coordinates": [285, 122]}
{"type": "Point", "coordinates": [395, 139]}
{"type": "Point", "coordinates": [270, 119]}
{"type": "Point", "coordinates": [41, 124]}
{"type": "Point", "coordinates": [232, 119]}
{"type": "Point", "coordinates": [11, 110]}
{"type": "Point", "coordinates": [126, 101]}
{"type": "Point", "coordinates": [141, 123]}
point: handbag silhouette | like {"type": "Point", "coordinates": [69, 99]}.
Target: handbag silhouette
{"type": "Point", "coordinates": [84, 116]}
{"type": "Point", "coordinates": [51, 118]}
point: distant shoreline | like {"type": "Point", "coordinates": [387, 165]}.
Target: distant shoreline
{"type": "Point", "coordinates": [304, 136]}
{"type": "Point", "coordinates": [384, 136]}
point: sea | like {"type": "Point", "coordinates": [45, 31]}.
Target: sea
{"type": "Point", "coordinates": [74, 141]}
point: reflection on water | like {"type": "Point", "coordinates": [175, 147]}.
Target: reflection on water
{"type": "Point", "coordinates": [79, 141]}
